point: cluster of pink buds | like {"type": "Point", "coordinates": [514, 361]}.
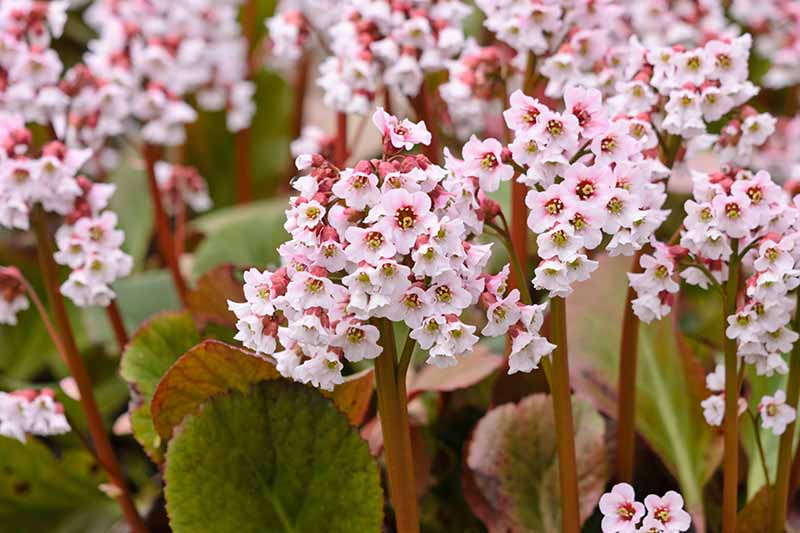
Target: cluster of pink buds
{"type": "Point", "coordinates": [377, 44]}
{"type": "Point", "coordinates": [390, 238]}
{"type": "Point", "coordinates": [48, 179]}
{"type": "Point", "coordinates": [90, 244]}
{"type": "Point", "coordinates": [31, 412]}
{"type": "Point", "coordinates": [161, 52]}
{"type": "Point", "coordinates": [182, 185]}
{"type": "Point", "coordinates": [12, 295]}
{"type": "Point", "coordinates": [659, 514]}
{"type": "Point", "coordinates": [475, 89]}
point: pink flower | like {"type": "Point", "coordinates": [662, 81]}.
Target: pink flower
{"type": "Point", "coordinates": [406, 216]}
{"type": "Point", "coordinates": [524, 112]}
{"type": "Point", "coordinates": [400, 134]}
{"type": "Point", "coordinates": [484, 160]}
{"type": "Point", "coordinates": [668, 510]}
{"type": "Point", "coordinates": [620, 509]}
{"type": "Point", "coordinates": [587, 106]}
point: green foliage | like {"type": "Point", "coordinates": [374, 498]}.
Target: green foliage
{"type": "Point", "coordinates": [42, 493]}
{"type": "Point", "coordinates": [152, 350]}
{"type": "Point", "coordinates": [246, 235]}
{"type": "Point", "coordinates": [277, 458]}
{"type": "Point", "coordinates": [669, 385]}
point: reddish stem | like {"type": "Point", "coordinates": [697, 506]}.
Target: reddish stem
{"type": "Point", "coordinates": [422, 105]}
{"type": "Point", "coordinates": [340, 149]}
{"type": "Point", "coordinates": [244, 178]}
{"type": "Point", "coordinates": [626, 399]}
{"type": "Point", "coordinates": [117, 324]}
{"type": "Point", "coordinates": [163, 232]}
{"type": "Point", "coordinates": [71, 354]}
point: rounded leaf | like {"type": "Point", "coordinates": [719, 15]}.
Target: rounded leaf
{"type": "Point", "coordinates": [277, 458]}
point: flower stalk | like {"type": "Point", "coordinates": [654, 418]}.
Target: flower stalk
{"type": "Point", "coordinates": [626, 397]}
{"type": "Point", "coordinates": [780, 491]}
{"type": "Point", "coordinates": [565, 427]}
{"type": "Point", "coordinates": [163, 231]}
{"type": "Point", "coordinates": [340, 148]}
{"type": "Point", "coordinates": [117, 324]}
{"type": "Point", "coordinates": [731, 420]}
{"type": "Point", "coordinates": [77, 369]}
{"type": "Point", "coordinates": [393, 412]}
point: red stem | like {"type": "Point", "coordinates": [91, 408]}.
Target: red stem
{"type": "Point", "coordinates": [340, 149]}
{"type": "Point", "coordinates": [163, 232]}
{"type": "Point", "coordinates": [626, 399]}
{"type": "Point", "coordinates": [71, 354]}
{"type": "Point", "coordinates": [422, 105]}
{"type": "Point", "coordinates": [117, 324]}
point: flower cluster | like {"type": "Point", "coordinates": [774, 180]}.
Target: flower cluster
{"type": "Point", "coordinates": [374, 45]}
{"type": "Point", "coordinates": [776, 29]}
{"type": "Point", "coordinates": [89, 243]}
{"type": "Point", "coordinates": [728, 208]}
{"type": "Point", "coordinates": [386, 239]}
{"type": "Point", "coordinates": [539, 27]}
{"type": "Point", "coordinates": [31, 412]}
{"type": "Point", "coordinates": [157, 52]}
{"type": "Point", "coordinates": [182, 185]}
{"type": "Point", "coordinates": [48, 179]}
{"type": "Point", "coordinates": [588, 176]}
{"type": "Point", "coordinates": [29, 67]}
{"type": "Point", "coordinates": [12, 295]}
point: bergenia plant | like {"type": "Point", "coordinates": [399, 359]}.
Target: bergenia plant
{"type": "Point", "coordinates": [311, 256]}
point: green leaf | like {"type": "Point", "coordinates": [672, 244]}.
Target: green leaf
{"type": "Point", "coordinates": [279, 458]}
{"type": "Point", "coordinates": [209, 369]}
{"type": "Point", "coordinates": [248, 235]}
{"type": "Point", "coordinates": [139, 297]}
{"type": "Point", "coordinates": [132, 205]}
{"type": "Point", "coordinates": [669, 385]}
{"type": "Point", "coordinates": [513, 465]}
{"type": "Point", "coordinates": [42, 493]}
{"type": "Point", "coordinates": [148, 356]}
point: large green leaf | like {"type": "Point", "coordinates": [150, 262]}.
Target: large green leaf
{"type": "Point", "coordinates": [40, 493]}
{"type": "Point", "coordinates": [278, 458]}
{"type": "Point", "coordinates": [514, 466]}
{"type": "Point", "coordinates": [148, 356]}
{"type": "Point", "coordinates": [670, 381]}
{"type": "Point", "coordinates": [246, 235]}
